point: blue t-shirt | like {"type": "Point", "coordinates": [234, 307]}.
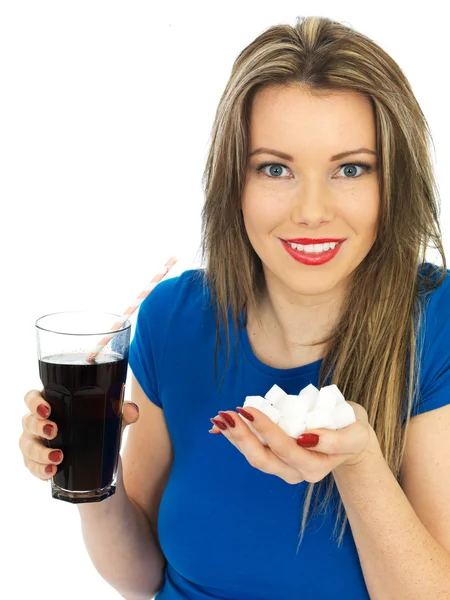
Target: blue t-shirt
{"type": "Point", "coordinates": [228, 530]}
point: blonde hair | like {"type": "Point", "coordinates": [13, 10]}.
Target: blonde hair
{"type": "Point", "coordinates": [372, 353]}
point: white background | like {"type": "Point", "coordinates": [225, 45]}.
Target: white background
{"type": "Point", "coordinates": [106, 112]}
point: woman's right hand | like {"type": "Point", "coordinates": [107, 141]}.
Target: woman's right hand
{"type": "Point", "coordinates": [40, 460]}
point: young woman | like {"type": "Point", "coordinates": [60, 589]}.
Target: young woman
{"type": "Point", "coordinates": [320, 206]}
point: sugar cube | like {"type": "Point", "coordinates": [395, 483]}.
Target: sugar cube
{"type": "Point", "coordinates": [256, 401]}
{"type": "Point", "coordinates": [343, 415]}
{"type": "Point", "coordinates": [276, 396]}
{"type": "Point", "coordinates": [293, 414]}
{"type": "Point", "coordinates": [326, 398]}
{"type": "Point", "coordinates": [264, 406]}
{"type": "Point", "coordinates": [309, 395]}
{"type": "Point", "coordinates": [292, 426]}
{"type": "Point", "coordinates": [320, 418]}
{"type": "Point", "coordinates": [337, 392]}
{"type": "Point", "coordinates": [294, 408]}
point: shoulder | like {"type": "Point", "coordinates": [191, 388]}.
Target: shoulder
{"type": "Point", "coordinates": [434, 296]}
{"type": "Point", "coordinates": [433, 338]}
{"type": "Point", "coordinates": [174, 294]}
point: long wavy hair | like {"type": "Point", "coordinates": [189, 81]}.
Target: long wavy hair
{"type": "Point", "coordinates": [372, 354]}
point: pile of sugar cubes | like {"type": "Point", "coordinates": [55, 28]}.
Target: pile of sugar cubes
{"type": "Point", "coordinates": [310, 409]}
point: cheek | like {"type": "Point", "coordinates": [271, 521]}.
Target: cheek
{"type": "Point", "coordinates": [363, 214]}
{"type": "Point", "coordinates": [262, 212]}
{"type": "Point", "coordinates": [372, 219]}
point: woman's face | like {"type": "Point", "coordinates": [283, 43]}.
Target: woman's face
{"type": "Point", "coordinates": [311, 195]}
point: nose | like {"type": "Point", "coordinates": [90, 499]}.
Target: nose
{"type": "Point", "coordinates": [312, 205]}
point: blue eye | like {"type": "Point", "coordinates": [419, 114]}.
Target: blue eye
{"type": "Point", "coordinates": [259, 169]}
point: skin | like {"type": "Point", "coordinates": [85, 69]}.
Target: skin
{"type": "Point", "coordinates": [311, 198]}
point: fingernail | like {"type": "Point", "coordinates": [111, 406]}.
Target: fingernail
{"type": "Point", "coordinates": [214, 432]}
{"type": "Point", "coordinates": [43, 411]}
{"type": "Point", "coordinates": [55, 456]}
{"type": "Point", "coordinates": [245, 414]}
{"type": "Point", "coordinates": [49, 468]}
{"type": "Point", "coordinates": [219, 424]}
{"type": "Point", "coordinates": [228, 418]}
{"type": "Point", "coordinates": [48, 429]}
{"type": "Point", "coordinates": [308, 440]}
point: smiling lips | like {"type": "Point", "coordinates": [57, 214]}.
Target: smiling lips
{"type": "Point", "coordinates": [321, 256]}
{"type": "Point", "coordinates": [307, 241]}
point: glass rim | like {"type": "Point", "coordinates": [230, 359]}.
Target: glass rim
{"type": "Point", "coordinates": [123, 327]}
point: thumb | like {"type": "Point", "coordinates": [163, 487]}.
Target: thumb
{"type": "Point", "coordinates": [130, 413]}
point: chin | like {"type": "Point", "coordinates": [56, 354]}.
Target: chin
{"type": "Point", "coordinates": [315, 280]}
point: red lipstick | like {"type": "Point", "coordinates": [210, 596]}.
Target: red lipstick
{"type": "Point", "coordinates": [306, 241]}
{"type": "Point", "coordinates": [311, 259]}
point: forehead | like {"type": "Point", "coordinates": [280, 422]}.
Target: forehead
{"type": "Point", "coordinates": [292, 118]}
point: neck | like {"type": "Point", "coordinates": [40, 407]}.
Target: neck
{"type": "Point", "coordinates": [295, 320]}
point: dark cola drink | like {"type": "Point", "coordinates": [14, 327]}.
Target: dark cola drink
{"type": "Point", "coordinates": [86, 401]}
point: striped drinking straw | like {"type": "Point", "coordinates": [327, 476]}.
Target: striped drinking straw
{"type": "Point", "coordinates": [133, 306]}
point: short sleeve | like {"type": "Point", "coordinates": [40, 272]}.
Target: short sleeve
{"type": "Point", "coordinates": [435, 363]}
{"type": "Point", "coordinates": [147, 348]}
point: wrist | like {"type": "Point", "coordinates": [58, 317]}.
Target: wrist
{"type": "Point", "coordinates": [367, 461]}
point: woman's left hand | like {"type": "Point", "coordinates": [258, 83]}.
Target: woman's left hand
{"type": "Point", "coordinates": [284, 456]}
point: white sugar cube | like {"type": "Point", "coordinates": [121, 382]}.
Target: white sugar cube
{"type": "Point", "coordinates": [293, 406]}
{"type": "Point", "coordinates": [320, 418]}
{"type": "Point", "coordinates": [276, 396]}
{"type": "Point", "coordinates": [294, 409]}
{"type": "Point", "coordinates": [256, 401]}
{"type": "Point", "coordinates": [293, 416]}
{"type": "Point", "coordinates": [292, 426]}
{"type": "Point", "coordinates": [336, 391]}
{"type": "Point", "coordinates": [309, 396]}
{"type": "Point", "coordinates": [326, 398]}
{"type": "Point", "coordinates": [264, 406]}
{"type": "Point", "coordinates": [343, 415]}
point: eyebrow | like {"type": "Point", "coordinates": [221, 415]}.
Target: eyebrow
{"type": "Point", "coordinates": [291, 158]}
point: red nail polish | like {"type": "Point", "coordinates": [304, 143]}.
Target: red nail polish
{"type": "Point", "coordinates": [245, 414]}
{"type": "Point", "coordinates": [228, 418]}
{"type": "Point", "coordinates": [55, 456]}
{"type": "Point", "coordinates": [49, 468]}
{"type": "Point", "coordinates": [48, 429]}
{"type": "Point", "coordinates": [308, 440]}
{"type": "Point", "coordinates": [42, 411]}
{"type": "Point", "coordinates": [219, 424]}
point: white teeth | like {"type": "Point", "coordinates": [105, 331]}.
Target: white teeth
{"type": "Point", "coordinates": [316, 248]}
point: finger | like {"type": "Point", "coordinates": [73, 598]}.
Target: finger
{"type": "Point", "coordinates": [41, 427]}
{"type": "Point", "coordinates": [348, 440]}
{"type": "Point", "coordinates": [42, 471]}
{"type": "Point", "coordinates": [130, 413]}
{"type": "Point", "coordinates": [214, 429]}
{"type": "Point", "coordinates": [286, 448]}
{"type": "Point", "coordinates": [37, 405]}
{"type": "Point", "coordinates": [259, 456]}
{"type": "Point", "coordinates": [34, 449]}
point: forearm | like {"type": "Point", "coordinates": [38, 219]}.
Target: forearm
{"type": "Point", "coordinates": [122, 546]}
{"type": "Point", "coordinates": [399, 558]}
